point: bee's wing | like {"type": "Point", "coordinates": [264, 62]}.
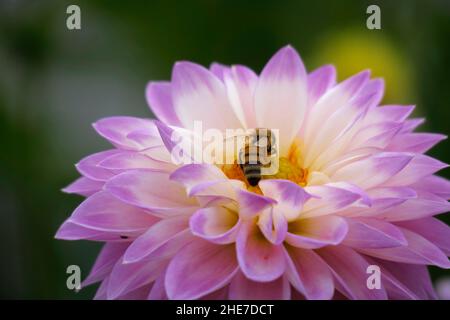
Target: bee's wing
{"type": "Point", "coordinates": [234, 136]}
{"type": "Point", "coordinates": [240, 140]}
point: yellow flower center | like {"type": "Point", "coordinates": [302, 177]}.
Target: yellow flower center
{"type": "Point", "coordinates": [289, 169]}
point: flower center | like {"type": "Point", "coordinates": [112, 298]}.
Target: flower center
{"type": "Point", "coordinates": [289, 169]}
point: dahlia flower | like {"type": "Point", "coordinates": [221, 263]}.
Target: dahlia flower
{"type": "Point", "coordinates": [354, 189]}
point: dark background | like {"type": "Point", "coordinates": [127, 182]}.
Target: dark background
{"type": "Point", "coordinates": [55, 82]}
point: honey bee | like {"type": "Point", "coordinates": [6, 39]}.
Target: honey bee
{"type": "Point", "coordinates": [259, 146]}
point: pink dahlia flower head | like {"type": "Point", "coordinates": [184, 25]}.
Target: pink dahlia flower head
{"type": "Point", "coordinates": [354, 192]}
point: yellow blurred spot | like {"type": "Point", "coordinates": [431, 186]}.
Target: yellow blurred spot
{"type": "Point", "coordinates": [353, 50]}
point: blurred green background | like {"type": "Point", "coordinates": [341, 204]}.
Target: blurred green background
{"type": "Point", "coordinates": [55, 82]}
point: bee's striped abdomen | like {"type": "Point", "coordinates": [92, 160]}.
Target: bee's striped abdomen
{"type": "Point", "coordinates": [250, 158]}
{"type": "Point", "coordinates": [252, 173]}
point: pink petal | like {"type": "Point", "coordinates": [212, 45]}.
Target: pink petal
{"type": "Point", "coordinates": [220, 294]}
{"type": "Point", "coordinates": [240, 83]}
{"type": "Point", "coordinates": [225, 189]}
{"type": "Point", "coordinates": [405, 281]}
{"type": "Point", "coordinates": [436, 185]}
{"type": "Point", "coordinates": [382, 198]}
{"type": "Point", "coordinates": [178, 143]}
{"type": "Point", "coordinates": [349, 269]}
{"type": "Point", "coordinates": [335, 98]}
{"type": "Point", "coordinates": [207, 183]}
{"type": "Point", "coordinates": [107, 258]}
{"type": "Point", "coordinates": [159, 98]}
{"type": "Point", "coordinates": [198, 95]}
{"type": "Point", "coordinates": [415, 142]}
{"type": "Point", "coordinates": [151, 190]}
{"type": "Point", "coordinates": [101, 291]}
{"type": "Point", "coordinates": [215, 224]}
{"type": "Point", "coordinates": [319, 81]}
{"type": "Point", "coordinates": [273, 225]}
{"type": "Point", "coordinates": [443, 288]}
{"type": "Point", "coordinates": [389, 113]}
{"type": "Point", "coordinates": [218, 69]}
{"type": "Point", "coordinates": [295, 295]}
{"type": "Point", "coordinates": [193, 174]}
{"type": "Point", "coordinates": [431, 229]}
{"type": "Point", "coordinates": [412, 124]}
{"type": "Point", "coordinates": [251, 204]}
{"type": "Point", "coordinates": [133, 160]}
{"type": "Point", "coordinates": [290, 196]}
{"type": "Point", "coordinates": [309, 274]}
{"type": "Point", "coordinates": [84, 186]}
{"type": "Point", "coordinates": [372, 233]}
{"type": "Point", "coordinates": [418, 251]}
{"type": "Point", "coordinates": [373, 171]}
{"type": "Point", "coordinates": [200, 268]}
{"type": "Point", "coordinates": [140, 293]}
{"type": "Point", "coordinates": [159, 154]}
{"type": "Point", "coordinates": [348, 157]}
{"type": "Point", "coordinates": [154, 238]}
{"type": "Point", "coordinates": [281, 95]}
{"type": "Point", "coordinates": [317, 232]}
{"type": "Point", "coordinates": [387, 197]}
{"type": "Point", "coordinates": [145, 138]}
{"type": "Point", "coordinates": [258, 259]}
{"type": "Point", "coordinates": [242, 288]}
{"type": "Point", "coordinates": [374, 87]}
{"type": "Point", "coordinates": [126, 278]}
{"type": "Point", "coordinates": [418, 168]}
{"type": "Point", "coordinates": [213, 201]}
{"type": "Point", "coordinates": [378, 135]}
{"type": "Point", "coordinates": [424, 205]}
{"type": "Point", "coordinates": [88, 166]}
{"type": "Point", "coordinates": [103, 212]}
{"type": "Point", "coordinates": [158, 291]}
{"type": "Point", "coordinates": [338, 128]}
{"type": "Point", "coordinates": [333, 197]}
{"type": "Point", "coordinates": [116, 130]}
{"type": "Point", "coordinates": [73, 231]}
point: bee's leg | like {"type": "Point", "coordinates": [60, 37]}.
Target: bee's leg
{"type": "Point", "coordinates": [273, 139]}
{"type": "Point", "coordinates": [272, 150]}
{"type": "Point", "coordinates": [241, 158]}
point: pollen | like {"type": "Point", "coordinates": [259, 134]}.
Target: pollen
{"type": "Point", "coordinates": [288, 169]}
